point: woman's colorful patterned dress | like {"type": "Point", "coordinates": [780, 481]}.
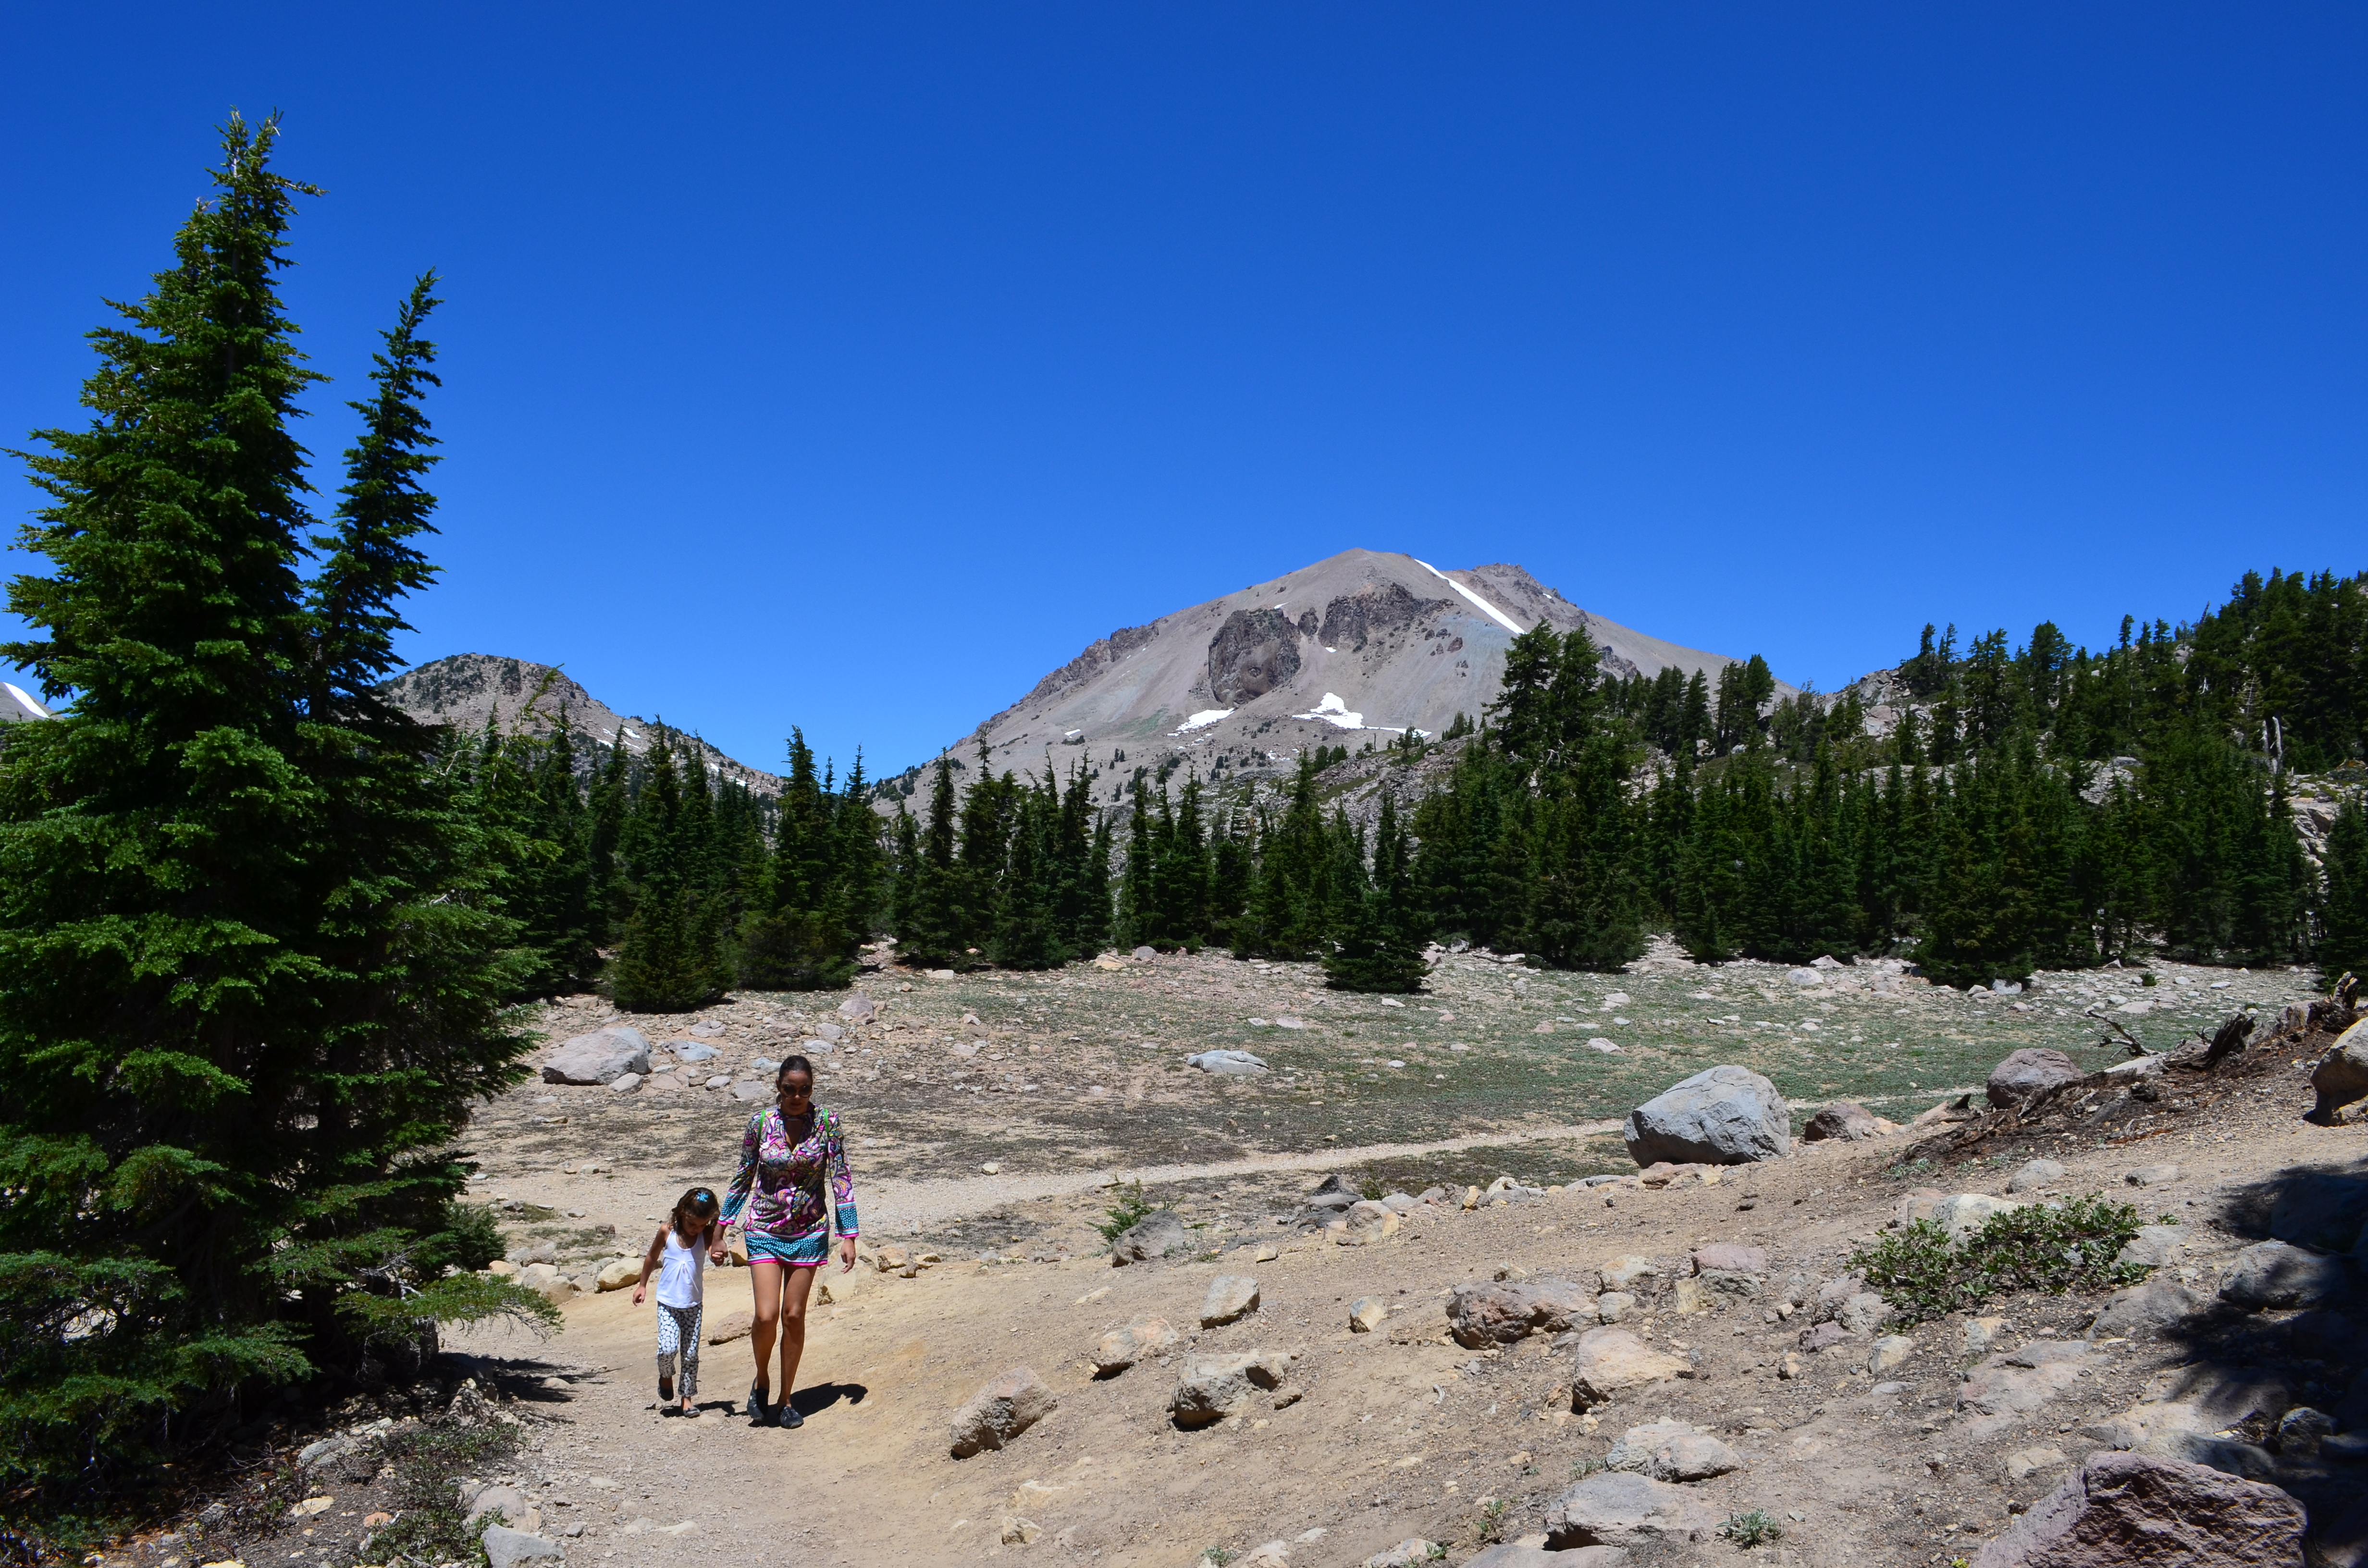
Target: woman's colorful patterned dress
{"type": "Point", "coordinates": [788, 1218]}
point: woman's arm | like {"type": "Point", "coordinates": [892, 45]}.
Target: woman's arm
{"type": "Point", "coordinates": [743, 1181]}
{"type": "Point", "coordinates": [842, 1197]}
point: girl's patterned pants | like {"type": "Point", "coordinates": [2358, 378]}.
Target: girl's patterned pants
{"type": "Point", "coordinates": [678, 1338]}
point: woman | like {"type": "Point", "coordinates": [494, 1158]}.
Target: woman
{"type": "Point", "coordinates": [792, 1149]}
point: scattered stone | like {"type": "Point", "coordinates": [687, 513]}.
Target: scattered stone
{"type": "Point", "coordinates": [1002, 1410]}
{"type": "Point", "coordinates": [1213, 1387]}
{"type": "Point", "coordinates": [600, 1057]}
{"type": "Point", "coordinates": [1231, 1298]}
{"type": "Point", "coordinates": [1889, 1354]}
{"type": "Point", "coordinates": [1980, 1332]}
{"type": "Point", "coordinates": [1806, 979]}
{"type": "Point", "coordinates": [1614, 1306]}
{"type": "Point", "coordinates": [1730, 1258]}
{"type": "Point", "coordinates": [2154, 1246]}
{"type": "Point", "coordinates": [1485, 1312]}
{"type": "Point", "coordinates": [1844, 1120]}
{"type": "Point", "coordinates": [619, 1273]}
{"type": "Point", "coordinates": [2120, 1508]}
{"type": "Point", "coordinates": [1416, 1552]}
{"type": "Point", "coordinates": [858, 1009]}
{"type": "Point", "coordinates": [1607, 1360]}
{"type": "Point", "coordinates": [1862, 1314]}
{"type": "Point", "coordinates": [1671, 1450]}
{"type": "Point", "coordinates": [1726, 1116]}
{"type": "Point", "coordinates": [2302, 1430]}
{"type": "Point", "coordinates": [2034, 1175]}
{"type": "Point", "coordinates": [1365, 1314]}
{"type": "Point", "coordinates": [1273, 1554]}
{"type": "Point", "coordinates": [1122, 1348]}
{"type": "Point", "coordinates": [1160, 1233]}
{"type": "Point", "coordinates": [1790, 1365]}
{"type": "Point", "coordinates": [1622, 1273]}
{"type": "Point", "coordinates": [1966, 1212]}
{"type": "Point", "coordinates": [1366, 1221]}
{"type": "Point", "coordinates": [2151, 1176]}
{"type": "Point", "coordinates": [2230, 1456]}
{"type": "Point", "coordinates": [2143, 1308]}
{"type": "Point", "coordinates": [2020, 1463]}
{"type": "Point", "coordinates": [626, 1084]}
{"type": "Point", "coordinates": [2005, 1387]}
{"type": "Point", "coordinates": [1228, 1063]}
{"type": "Point", "coordinates": [2027, 1073]}
{"type": "Point", "coordinates": [506, 1548]}
{"type": "Point", "coordinates": [1013, 1530]}
{"type": "Point", "coordinates": [748, 1091]}
{"type": "Point", "coordinates": [1823, 1336]}
{"type": "Point", "coordinates": [1617, 1508]}
{"type": "Point", "coordinates": [2277, 1274]}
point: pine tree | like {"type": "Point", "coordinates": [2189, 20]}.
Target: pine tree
{"type": "Point", "coordinates": [250, 971]}
{"type": "Point", "coordinates": [2343, 924]}
{"type": "Point", "coordinates": [1379, 947]}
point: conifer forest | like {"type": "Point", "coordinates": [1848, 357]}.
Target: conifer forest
{"type": "Point", "coordinates": [261, 933]}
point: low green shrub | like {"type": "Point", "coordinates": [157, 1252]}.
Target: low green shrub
{"type": "Point", "coordinates": [2051, 1247]}
{"type": "Point", "coordinates": [428, 1460]}
{"type": "Point", "coordinates": [1122, 1216]}
{"type": "Point", "coordinates": [1757, 1527]}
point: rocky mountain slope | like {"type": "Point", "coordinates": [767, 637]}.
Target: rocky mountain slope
{"type": "Point", "coordinates": [466, 689]}
{"type": "Point", "coordinates": [1366, 643]}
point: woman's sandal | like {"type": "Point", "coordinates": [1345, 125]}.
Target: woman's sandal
{"type": "Point", "coordinates": [758, 1412]}
{"type": "Point", "coordinates": [790, 1416]}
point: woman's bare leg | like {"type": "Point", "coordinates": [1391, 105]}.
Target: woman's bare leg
{"type": "Point", "coordinates": [765, 1278]}
{"type": "Point", "coordinates": [794, 1326]}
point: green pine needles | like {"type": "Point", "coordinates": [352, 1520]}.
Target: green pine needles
{"type": "Point", "coordinates": [253, 949]}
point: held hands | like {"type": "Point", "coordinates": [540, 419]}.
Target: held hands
{"type": "Point", "coordinates": [717, 1251]}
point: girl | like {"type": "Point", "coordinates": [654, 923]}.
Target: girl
{"type": "Point", "coordinates": [678, 1253]}
{"type": "Point", "coordinates": [791, 1151]}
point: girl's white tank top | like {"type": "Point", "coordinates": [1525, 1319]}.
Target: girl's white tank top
{"type": "Point", "coordinates": [682, 1276]}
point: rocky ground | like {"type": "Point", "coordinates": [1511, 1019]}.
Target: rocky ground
{"type": "Point", "coordinates": [1446, 1374]}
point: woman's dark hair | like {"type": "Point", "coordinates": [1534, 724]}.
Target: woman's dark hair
{"type": "Point", "coordinates": [697, 1206]}
{"type": "Point", "coordinates": [792, 1064]}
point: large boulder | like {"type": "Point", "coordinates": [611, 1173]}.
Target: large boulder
{"type": "Point", "coordinates": [1160, 1233]}
{"type": "Point", "coordinates": [2341, 1075]}
{"type": "Point", "coordinates": [2122, 1508]}
{"type": "Point", "coordinates": [2027, 1073]}
{"type": "Point", "coordinates": [1000, 1412]}
{"type": "Point", "coordinates": [1616, 1509]}
{"type": "Point", "coordinates": [1500, 1311]}
{"type": "Point", "coordinates": [2142, 1310]}
{"type": "Point", "coordinates": [2275, 1274]}
{"type": "Point", "coordinates": [1606, 1360]}
{"type": "Point", "coordinates": [601, 1057]}
{"type": "Point", "coordinates": [1726, 1116]}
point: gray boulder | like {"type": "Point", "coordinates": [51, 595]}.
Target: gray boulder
{"type": "Point", "coordinates": [1726, 1116]}
{"type": "Point", "coordinates": [601, 1057]}
{"type": "Point", "coordinates": [506, 1548]}
{"type": "Point", "coordinates": [1161, 1233]}
{"type": "Point", "coordinates": [2274, 1274]}
{"type": "Point", "coordinates": [691, 1050]}
{"type": "Point", "coordinates": [2341, 1075]}
{"type": "Point", "coordinates": [1502, 1311]}
{"type": "Point", "coordinates": [858, 1009]}
{"type": "Point", "coordinates": [2121, 1509]}
{"type": "Point", "coordinates": [1213, 1387]}
{"type": "Point", "coordinates": [2148, 1309]}
{"type": "Point", "coordinates": [1521, 1554]}
{"type": "Point", "coordinates": [1231, 1297]}
{"type": "Point", "coordinates": [2025, 1073]}
{"type": "Point", "coordinates": [1616, 1509]}
{"type": "Point", "coordinates": [1000, 1412]}
{"type": "Point", "coordinates": [2034, 1175]}
{"type": "Point", "coordinates": [1671, 1450]}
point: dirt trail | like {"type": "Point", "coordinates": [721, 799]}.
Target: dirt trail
{"type": "Point", "coordinates": [900, 1205]}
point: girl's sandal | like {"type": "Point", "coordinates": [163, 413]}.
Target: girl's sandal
{"type": "Point", "coordinates": [757, 1410]}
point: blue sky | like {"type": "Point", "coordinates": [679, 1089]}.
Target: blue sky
{"type": "Point", "coordinates": [851, 369]}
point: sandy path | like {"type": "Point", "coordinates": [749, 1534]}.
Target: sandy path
{"type": "Point", "coordinates": [901, 1204]}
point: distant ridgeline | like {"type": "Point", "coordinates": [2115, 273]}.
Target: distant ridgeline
{"type": "Point", "coordinates": [2191, 790]}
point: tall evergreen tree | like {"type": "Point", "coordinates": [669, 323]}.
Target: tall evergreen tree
{"type": "Point", "coordinates": [250, 967]}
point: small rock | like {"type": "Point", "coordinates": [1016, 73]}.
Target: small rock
{"type": "Point", "coordinates": [2034, 1175]}
{"type": "Point", "coordinates": [506, 1548]}
{"type": "Point", "coordinates": [600, 1057]}
{"type": "Point", "coordinates": [619, 1273]}
{"type": "Point", "coordinates": [1730, 1258]}
{"type": "Point", "coordinates": [1365, 1223]}
{"type": "Point", "coordinates": [1844, 1120]}
{"type": "Point", "coordinates": [1966, 1212]}
{"type": "Point", "coordinates": [1617, 1508]}
{"type": "Point", "coordinates": [1000, 1412]}
{"type": "Point", "coordinates": [1980, 1332]}
{"type": "Point", "coordinates": [1365, 1314]}
{"type": "Point", "coordinates": [1228, 1063]}
{"type": "Point", "coordinates": [859, 1008]}
{"type": "Point", "coordinates": [2324, 1209]}
{"type": "Point", "coordinates": [1614, 1306]}
{"type": "Point", "coordinates": [1863, 1313]}
{"type": "Point", "coordinates": [1414, 1553]}
{"type": "Point", "coordinates": [1231, 1298]}
{"type": "Point", "coordinates": [2020, 1463]}
{"type": "Point", "coordinates": [992, 1167]}
{"type": "Point", "coordinates": [1213, 1387]}
{"type": "Point", "coordinates": [1485, 1313]}
{"type": "Point", "coordinates": [2154, 1246]}
{"type": "Point", "coordinates": [2027, 1073]}
{"type": "Point", "coordinates": [1160, 1233]}
{"type": "Point", "coordinates": [1622, 1273]}
{"type": "Point", "coordinates": [1806, 979]}
{"type": "Point", "coordinates": [1823, 1336]}
{"type": "Point", "coordinates": [2143, 1308]}
{"type": "Point", "coordinates": [2151, 1176]}
{"type": "Point", "coordinates": [1606, 1360]}
{"type": "Point", "coordinates": [1790, 1365]}
{"type": "Point", "coordinates": [1889, 1354]}
{"type": "Point", "coordinates": [1671, 1450]}
{"type": "Point", "coordinates": [1015, 1531]}
{"type": "Point", "coordinates": [625, 1084]}
{"type": "Point", "coordinates": [1273, 1554]}
{"type": "Point", "coordinates": [1122, 1348]}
